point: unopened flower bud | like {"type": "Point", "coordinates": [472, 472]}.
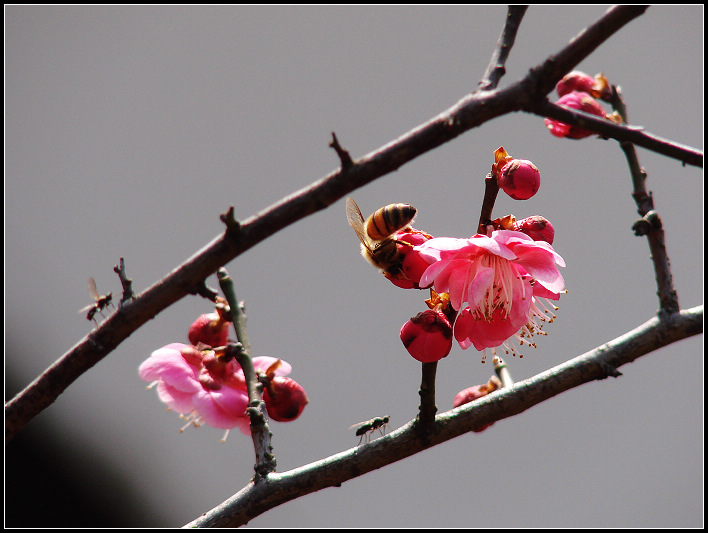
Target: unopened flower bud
{"type": "Point", "coordinates": [412, 265]}
{"type": "Point", "coordinates": [210, 329]}
{"type": "Point", "coordinates": [427, 336]}
{"type": "Point", "coordinates": [520, 179]}
{"type": "Point", "coordinates": [575, 100]}
{"type": "Point", "coordinates": [285, 399]}
{"type": "Point", "coordinates": [472, 393]}
{"type": "Point", "coordinates": [536, 227]}
{"type": "Point", "coordinates": [597, 86]}
{"type": "Point", "coordinates": [575, 81]}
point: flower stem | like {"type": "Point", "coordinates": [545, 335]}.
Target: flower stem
{"type": "Point", "coordinates": [491, 189]}
{"type": "Point", "coordinates": [427, 408]}
{"type": "Point", "coordinates": [503, 372]}
{"type": "Point", "coordinates": [226, 284]}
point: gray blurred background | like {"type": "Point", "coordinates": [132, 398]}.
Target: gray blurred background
{"type": "Point", "coordinates": [129, 129]}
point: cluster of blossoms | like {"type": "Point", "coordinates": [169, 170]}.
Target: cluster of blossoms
{"type": "Point", "coordinates": [206, 385]}
{"type": "Point", "coordinates": [578, 90]}
{"type": "Point", "coordinates": [490, 287]}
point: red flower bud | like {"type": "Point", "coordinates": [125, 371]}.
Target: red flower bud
{"type": "Point", "coordinates": [210, 329]}
{"type": "Point", "coordinates": [412, 265]}
{"type": "Point", "coordinates": [427, 336]}
{"type": "Point", "coordinates": [520, 179]}
{"type": "Point", "coordinates": [597, 86]}
{"type": "Point", "coordinates": [575, 100]}
{"type": "Point", "coordinates": [285, 399]}
{"type": "Point", "coordinates": [470, 394]}
{"type": "Point", "coordinates": [536, 227]}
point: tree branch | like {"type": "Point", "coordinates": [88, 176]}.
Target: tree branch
{"type": "Point", "coordinates": [634, 134]}
{"type": "Point", "coordinates": [470, 112]}
{"type": "Point", "coordinates": [600, 363]}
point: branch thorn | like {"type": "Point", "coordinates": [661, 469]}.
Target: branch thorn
{"type": "Point", "coordinates": [343, 154]}
{"type": "Point", "coordinates": [233, 226]}
{"type": "Point", "coordinates": [125, 281]}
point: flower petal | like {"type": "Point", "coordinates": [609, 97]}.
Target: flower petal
{"type": "Point", "coordinates": [178, 401]}
{"type": "Point", "coordinates": [167, 364]}
{"type": "Point", "coordinates": [262, 363]}
{"type": "Point", "coordinates": [221, 408]}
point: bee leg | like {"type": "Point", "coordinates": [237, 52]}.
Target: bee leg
{"type": "Point", "coordinates": [403, 243]}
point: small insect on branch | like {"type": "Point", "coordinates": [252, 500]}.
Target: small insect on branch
{"type": "Point", "coordinates": [365, 429]}
{"type": "Point", "coordinates": [100, 302]}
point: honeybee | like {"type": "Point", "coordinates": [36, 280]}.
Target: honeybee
{"type": "Point", "coordinates": [100, 302]}
{"type": "Point", "coordinates": [368, 427]}
{"type": "Point", "coordinates": [377, 244]}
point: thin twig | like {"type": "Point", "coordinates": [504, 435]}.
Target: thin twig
{"type": "Point", "coordinates": [260, 432]}
{"type": "Point", "coordinates": [650, 224]}
{"type": "Point", "coordinates": [496, 69]}
{"type": "Point", "coordinates": [125, 281]}
{"type": "Point", "coordinates": [344, 158]}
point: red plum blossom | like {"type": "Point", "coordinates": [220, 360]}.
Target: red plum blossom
{"type": "Point", "coordinates": [494, 282]}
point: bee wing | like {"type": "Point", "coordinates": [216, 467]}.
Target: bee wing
{"type": "Point", "coordinates": [92, 288]}
{"type": "Point", "coordinates": [84, 309]}
{"type": "Point", "coordinates": [359, 424]}
{"type": "Point", "coordinates": [356, 221]}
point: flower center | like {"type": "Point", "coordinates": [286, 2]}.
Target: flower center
{"type": "Point", "coordinates": [500, 294]}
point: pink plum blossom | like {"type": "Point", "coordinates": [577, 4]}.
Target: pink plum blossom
{"type": "Point", "coordinates": [201, 385]}
{"type": "Point", "coordinates": [495, 283]}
